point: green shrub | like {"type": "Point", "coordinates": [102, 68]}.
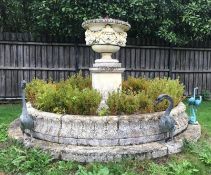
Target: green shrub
{"type": "Point", "coordinates": [73, 96]}
{"type": "Point", "coordinates": [139, 94]}
{"type": "Point", "coordinates": [47, 98]}
{"type": "Point", "coordinates": [83, 102]}
{"type": "Point", "coordinates": [122, 103]}
{"type": "Point", "coordinates": [78, 81]}
{"type": "Point", "coordinates": [33, 88]}
{"type": "Point", "coordinates": [146, 105]}
{"type": "Point", "coordinates": [159, 86]}
{"type": "Point", "coordinates": [206, 94]}
{"type": "Point", "coordinates": [135, 84]}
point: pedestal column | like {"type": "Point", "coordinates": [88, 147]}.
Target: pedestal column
{"type": "Point", "coordinates": [106, 36]}
{"type": "Point", "coordinates": [106, 76]}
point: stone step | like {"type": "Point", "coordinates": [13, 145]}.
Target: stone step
{"type": "Point", "coordinates": [108, 153]}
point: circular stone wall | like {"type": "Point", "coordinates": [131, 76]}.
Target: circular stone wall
{"type": "Point", "coordinates": [103, 130]}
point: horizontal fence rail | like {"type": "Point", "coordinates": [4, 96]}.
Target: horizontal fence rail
{"type": "Point", "coordinates": [27, 60]}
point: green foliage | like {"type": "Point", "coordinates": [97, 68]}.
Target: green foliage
{"type": "Point", "coordinates": [159, 86]}
{"type": "Point", "coordinates": [10, 150]}
{"type": "Point", "coordinates": [47, 98]}
{"type": "Point", "coordinates": [3, 132]}
{"type": "Point", "coordinates": [15, 159]}
{"type": "Point", "coordinates": [32, 89]}
{"type": "Point", "coordinates": [135, 84]}
{"type": "Point", "coordinates": [206, 94]}
{"type": "Point", "coordinates": [176, 21]}
{"type": "Point", "coordinates": [99, 169]}
{"type": "Point", "coordinates": [156, 169]}
{"type": "Point", "coordinates": [146, 105]}
{"type": "Point", "coordinates": [202, 150]}
{"type": "Point", "coordinates": [15, 15]}
{"type": "Point", "coordinates": [139, 95]}
{"type": "Point", "coordinates": [122, 103]}
{"type": "Point", "coordinates": [96, 171]}
{"type": "Point", "coordinates": [73, 96]}
{"type": "Point", "coordinates": [103, 112]}
{"type": "Point", "coordinates": [61, 168]}
{"type": "Point", "coordinates": [80, 82]}
{"type": "Point", "coordinates": [184, 167]}
{"type": "Point", "coordinates": [185, 21]}
{"type": "Point", "coordinates": [205, 157]}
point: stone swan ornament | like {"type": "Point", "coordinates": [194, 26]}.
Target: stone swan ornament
{"type": "Point", "coordinates": [26, 121]}
{"type": "Point", "coordinates": [167, 122]}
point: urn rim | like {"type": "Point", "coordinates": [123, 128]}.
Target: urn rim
{"type": "Point", "coordinates": [126, 25]}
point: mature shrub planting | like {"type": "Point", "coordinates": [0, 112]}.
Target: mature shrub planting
{"type": "Point", "coordinates": [176, 21]}
{"type": "Point", "coordinates": [139, 95]}
{"type": "Point", "coordinates": [75, 96]}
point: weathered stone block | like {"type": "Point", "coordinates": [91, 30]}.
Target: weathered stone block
{"type": "Point", "coordinates": [103, 131]}
{"type": "Point", "coordinates": [108, 153]}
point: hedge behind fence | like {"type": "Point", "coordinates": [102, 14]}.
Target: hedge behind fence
{"type": "Point", "coordinates": [176, 21]}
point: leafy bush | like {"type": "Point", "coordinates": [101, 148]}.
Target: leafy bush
{"type": "Point", "coordinates": [135, 84]}
{"type": "Point", "coordinates": [33, 88]}
{"type": "Point", "coordinates": [78, 81]}
{"type": "Point", "coordinates": [122, 103]}
{"type": "Point", "coordinates": [159, 86]}
{"type": "Point", "coordinates": [148, 18]}
{"type": "Point", "coordinates": [206, 94]}
{"type": "Point", "coordinates": [138, 95]}
{"type": "Point", "coordinates": [73, 96]}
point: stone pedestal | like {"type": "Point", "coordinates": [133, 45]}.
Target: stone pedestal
{"type": "Point", "coordinates": [106, 76]}
{"type": "Point", "coordinates": [106, 36]}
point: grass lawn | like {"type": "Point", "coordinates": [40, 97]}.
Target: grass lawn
{"type": "Point", "coordinates": [15, 159]}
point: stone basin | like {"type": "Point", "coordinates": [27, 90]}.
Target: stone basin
{"type": "Point", "coordinates": [103, 130]}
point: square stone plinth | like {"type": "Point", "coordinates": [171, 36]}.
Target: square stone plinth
{"type": "Point", "coordinates": [106, 79]}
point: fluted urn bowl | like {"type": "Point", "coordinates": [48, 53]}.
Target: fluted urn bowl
{"type": "Point", "coordinates": [106, 36]}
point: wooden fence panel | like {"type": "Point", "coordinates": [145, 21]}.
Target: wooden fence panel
{"type": "Point", "coordinates": [22, 59]}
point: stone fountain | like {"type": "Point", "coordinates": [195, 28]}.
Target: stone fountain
{"type": "Point", "coordinates": [94, 138]}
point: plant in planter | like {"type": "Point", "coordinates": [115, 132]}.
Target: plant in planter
{"type": "Point", "coordinates": [76, 96]}
{"type": "Point", "coordinates": [73, 96]}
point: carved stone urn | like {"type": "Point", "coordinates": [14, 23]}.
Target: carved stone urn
{"type": "Point", "coordinates": [106, 36]}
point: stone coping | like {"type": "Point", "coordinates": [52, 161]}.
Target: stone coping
{"type": "Point", "coordinates": [105, 130]}
{"type": "Point", "coordinates": [106, 21]}
{"type": "Point", "coordinates": [110, 153]}
{"type": "Point", "coordinates": [145, 117]}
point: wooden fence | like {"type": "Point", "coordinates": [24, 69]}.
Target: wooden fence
{"type": "Point", "coordinates": [26, 59]}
